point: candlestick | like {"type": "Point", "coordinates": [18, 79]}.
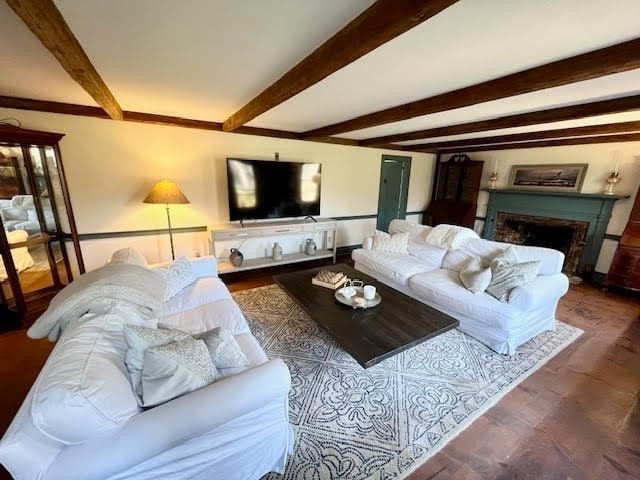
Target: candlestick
{"type": "Point", "coordinates": [612, 179]}
{"type": "Point", "coordinates": [616, 158]}
{"type": "Point", "coordinates": [494, 179]}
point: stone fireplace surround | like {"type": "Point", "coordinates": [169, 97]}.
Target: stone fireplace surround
{"type": "Point", "coordinates": [541, 218]}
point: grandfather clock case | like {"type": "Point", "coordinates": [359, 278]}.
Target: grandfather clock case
{"type": "Point", "coordinates": [454, 198]}
{"type": "Point", "coordinates": [625, 267]}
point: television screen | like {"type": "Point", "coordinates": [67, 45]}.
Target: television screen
{"type": "Point", "coordinates": [261, 189]}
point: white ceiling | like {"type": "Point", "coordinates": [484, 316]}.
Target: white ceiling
{"type": "Point", "coordinates": [204, 59]}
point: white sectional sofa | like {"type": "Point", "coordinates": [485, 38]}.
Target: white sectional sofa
{"type": "Point", "coordinates": [81, 419]}
{"type": "Point", "coordinates": [432, 275]}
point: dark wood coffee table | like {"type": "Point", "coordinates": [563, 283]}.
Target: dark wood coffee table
{"type": "Point", "coordinates": [368, 335]}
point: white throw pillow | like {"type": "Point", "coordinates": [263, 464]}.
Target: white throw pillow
{"type": "Point", "coordinates": [474, 276]}
{"type": "Point", "coordinates": [140, 339]}
{"type": "Point", "coordinates": [397, 243]}
{"type": "Point", "coordinates": [175, 369]}
{"type": "Point", "coordinates": [178, 276]}
{"type": "Point", "coordinates": [128, 255]}
{"type": "Point", "coordinates": [507, 257]}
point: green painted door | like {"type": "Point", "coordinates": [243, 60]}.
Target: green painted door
{"type": "Point", "coordinates": [394, 189]}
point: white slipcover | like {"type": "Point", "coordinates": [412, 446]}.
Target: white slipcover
{"type": "Point", "coordinates": [529, 311]}
{"type": "Point", "coordinates": [78, 420]}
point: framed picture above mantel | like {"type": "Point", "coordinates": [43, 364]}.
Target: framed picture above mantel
{"type": "Point", "coordinates": [567, 177]}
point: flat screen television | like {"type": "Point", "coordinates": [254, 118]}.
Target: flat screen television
{"type": "Point", "coordinates": [260, 189]}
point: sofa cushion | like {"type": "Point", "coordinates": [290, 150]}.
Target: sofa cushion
{"type": "Point", "coordinates": [416, 231]}
{"type": "Point", "coordinates": [384, 242]}
{"type": "Point", "coordinates": [392, 266]}
{"type": "Point", "coordinates": [83, 390]}
{"type": "Point", "coordinates": [175, 369]}
{"type": "Point", "coordinates": [427, 253]}
{"type": "Point", "coordinates": [443, 289]}
{"type": "Point", "coordinates": [222, 313]}
{"type": "Point", "coordinates": [450, 236]}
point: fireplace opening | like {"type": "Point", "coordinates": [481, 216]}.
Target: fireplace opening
{"type": "Point", "coordinates": [567, 236]}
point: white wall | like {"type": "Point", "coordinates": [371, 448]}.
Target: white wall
{"type": "Point", "coordinates": [111, 166]}
{"type": "Point", "coordinates": [599, 157]}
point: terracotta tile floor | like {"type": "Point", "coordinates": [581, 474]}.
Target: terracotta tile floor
{"type": "Point", "coordinates": [578, 417]}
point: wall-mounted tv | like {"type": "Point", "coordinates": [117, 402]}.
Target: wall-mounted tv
{"type": "Point", "coordinates": [260, 189]}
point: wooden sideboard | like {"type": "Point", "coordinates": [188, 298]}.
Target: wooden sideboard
{"type": "Point", "coordinates": [625, 267]}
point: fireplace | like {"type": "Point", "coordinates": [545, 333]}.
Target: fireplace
{"type": "Point", "coordinates": [567, 236]}
{"type": "Point", "coordinates": [574, 223]}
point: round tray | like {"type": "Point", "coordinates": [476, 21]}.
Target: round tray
{"type": "Point", "coordinates": [359, 294]}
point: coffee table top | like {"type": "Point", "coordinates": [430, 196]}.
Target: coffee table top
{"type": "Point", "coordinates": [368, 335]}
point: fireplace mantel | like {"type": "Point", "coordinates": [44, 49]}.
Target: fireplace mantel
{"type": "Point", "coordinates": [593, 208]}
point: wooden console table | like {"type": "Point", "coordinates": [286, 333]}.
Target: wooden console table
{"type": "Point", "coordinates": [233, 232]}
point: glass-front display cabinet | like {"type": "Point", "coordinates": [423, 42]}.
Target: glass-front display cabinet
{"type": "Point", "coordinates": [39, 247]}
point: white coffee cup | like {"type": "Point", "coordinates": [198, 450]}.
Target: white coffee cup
{"type": "Point", "coordinates": [369, 292]}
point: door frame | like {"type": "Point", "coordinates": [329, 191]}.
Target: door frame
{"type": "Point", "coordinates": [401, 208]}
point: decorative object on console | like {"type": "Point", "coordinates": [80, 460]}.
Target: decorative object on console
{"type": "Point", "coordinates": [236, 257]}
{"type": "Point", "coordinates": [328, 279]}
{"type": "Point", "coordinates": [310, 248]}
{"type": "Point", "coordinates": [277, 252]}
{"type": "Point", "coordinates": [561, 177]}
{"type": "Point", "coordinates": [167, 193]}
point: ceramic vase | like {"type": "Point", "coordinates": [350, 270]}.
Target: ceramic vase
{"type": "Point", "coordinates": [310, 248]}
{"type": "Point", "coordinates": [277, 252]}
{"type": "Point", "coordinates": [236, 257]}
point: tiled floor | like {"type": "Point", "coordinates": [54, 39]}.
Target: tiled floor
{"type": "Point", "coordinates": [578, 417]}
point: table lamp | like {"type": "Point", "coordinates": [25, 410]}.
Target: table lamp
{"type": "Point", "coordinates": [167, 193]}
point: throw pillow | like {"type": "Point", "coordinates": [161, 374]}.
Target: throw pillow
{"type": "Point", "coordinates": [175, 369]}
{"type": "Point", "coordinates": [507, 257]}
{"type": "Point", "coordinates": [474, 277]}
{"type": "Point", "coordinates": [385, 242]}
{"type": "Point", "coordinates": [223, 348]}
{"type": "Point", "coordinates": [178, 276]}
{"type": "Point", "coordinates": [505, 278]}
{"type": "Point", "coordinates": [128, 255]}
{"type": "Point", "coordinates": [139, 339]}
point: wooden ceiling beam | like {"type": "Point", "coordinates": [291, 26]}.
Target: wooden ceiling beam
{"type": "Point", "coordinates": [621, 137]}
{"type": "Point", "coordinates": [96, 112]}
{"type": "Point", "coordinates": [602, 129]}
{"type": "Point", "coordinates": [605, 61]}
{"type": "Point", "coordinates": [559, 114]}
{"type": "Point", "coordinates": [381, 22]}
{"type": "Point", "coordinates": [47, 23]}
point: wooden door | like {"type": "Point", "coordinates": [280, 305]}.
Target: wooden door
{"type": "Point", "coordinates": [394, 189]}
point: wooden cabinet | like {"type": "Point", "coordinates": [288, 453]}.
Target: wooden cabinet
{"type": "Point", "coordinates": [455, 192]}
{"type": "Point", "coordinates": [625, 267]}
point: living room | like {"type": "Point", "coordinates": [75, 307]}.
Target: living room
{"type": "Point", "coordinates": [150, 57]}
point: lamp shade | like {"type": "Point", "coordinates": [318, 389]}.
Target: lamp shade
{"type": "Point", "coordinates": [167, 193]}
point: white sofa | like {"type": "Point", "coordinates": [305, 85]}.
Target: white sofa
{"type": "Point", "coordinates": [81, 419]}
{"type": "Point", "coordinates": [432, 275]}
{"type": "Point", "coordinates": [19, 213]}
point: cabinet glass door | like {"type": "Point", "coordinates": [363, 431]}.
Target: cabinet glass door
{"type": "Point", "coordinates": [34, 217]}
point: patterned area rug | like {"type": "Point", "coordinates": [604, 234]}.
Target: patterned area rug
{"type": "Point", "coordinates": [385, 421]}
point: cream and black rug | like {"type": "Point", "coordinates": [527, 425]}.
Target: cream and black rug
{"type": "Point", "coordinates": [385, 421]}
